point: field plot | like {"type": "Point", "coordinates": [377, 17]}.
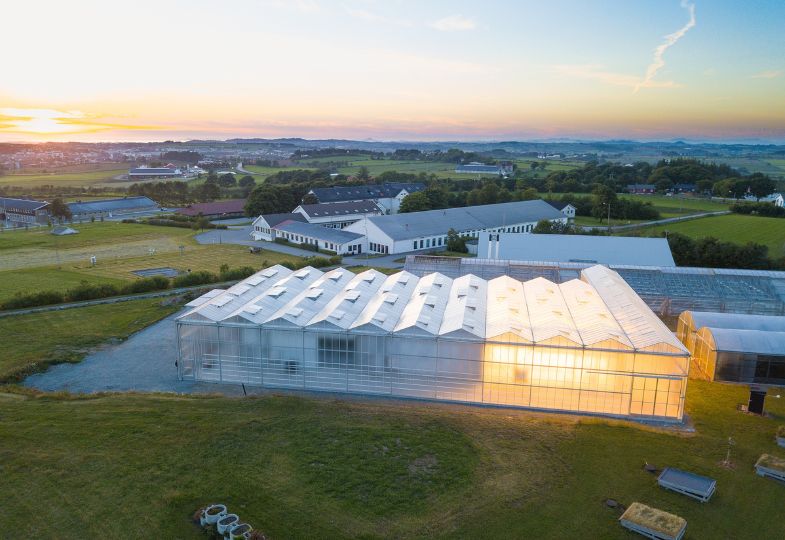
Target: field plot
{"type": "Point", "coordinates": [32, 261]}
{"type": "Point", "coordinates": [731, 228]}
{"type": "Point", "coordinates": [325, 468]}
{"type": "Point", "coordinates": [85, 175]}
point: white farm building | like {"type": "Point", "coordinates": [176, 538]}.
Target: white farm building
{"type": "Point", "coordinates": [588, 345]}
{"type": "Point", "coordinates": [401, 233]}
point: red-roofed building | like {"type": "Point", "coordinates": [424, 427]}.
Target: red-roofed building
{"type": "Point", "coordinates": [229, 208]}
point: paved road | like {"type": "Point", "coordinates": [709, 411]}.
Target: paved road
{"type": "Point", "coordinates": [657, 222]}
{"type": "Point", "coordinates": [144, 363]}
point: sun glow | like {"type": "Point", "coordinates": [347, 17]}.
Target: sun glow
{"type": "Point", "coordinates": [42, 121]}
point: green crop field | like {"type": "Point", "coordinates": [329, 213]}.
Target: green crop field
{"type": "Point", "coordinates": [364, 468]}
{"type": "Point", "coordinates": [732, 228]}
{"type": "Point", "coordinates": [89, 175]}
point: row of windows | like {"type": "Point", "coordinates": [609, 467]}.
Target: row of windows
{"type": "Point", "coordinates": [379, 248]}
{"type": "Point", "coordinates": [442, 240]}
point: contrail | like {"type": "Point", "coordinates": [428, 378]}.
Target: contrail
{"type": "Point", "coordinates": [670, 40]}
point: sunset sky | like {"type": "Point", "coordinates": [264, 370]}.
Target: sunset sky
{"type": "Point", "coordinates": [392, 70]}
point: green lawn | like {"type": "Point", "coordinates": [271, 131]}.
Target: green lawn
{"type": "Point", "coordinates": [99, 174]}
{"type": "Point", "coordinates": [731, 228]}
{"type": "Point", "coordinates": [36, 260]}
{"type": "Point", "coordinates": [32, 342]}
{"type": "Point", "coordinates": [135, 466]}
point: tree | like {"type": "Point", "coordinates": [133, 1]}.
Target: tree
{"type": "Point", "coordinates": [455, 242]}
{"type": "Point", "coordinates": [227, 180]}
{"type": "Point", "coordinates": [310, 198]}
{"type": "Point", "coordinates": [489, 193]}
{"type": "Point", "coordinates": [529, 194]}
{"type": "Point", "coordinates": [761, 185]}
{"type": "Point", "coordinates": [363, 174]}
{"type": "Point", "coordinates": [438, 196]}
{"type": "Point", "coordinates": [247, 181]}
{"type": "Point", "coordinates": [604, 199]}
{"type": "Point", "coordinates": [59, 210]}
{"type": "Point", "coordinates": [415, 202]}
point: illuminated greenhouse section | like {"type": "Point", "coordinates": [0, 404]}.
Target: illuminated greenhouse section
{"type": "Point", "coordinates": [588, 345]}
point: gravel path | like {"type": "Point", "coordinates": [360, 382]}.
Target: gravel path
{"type": "Point", "coordinates": [144, 363]}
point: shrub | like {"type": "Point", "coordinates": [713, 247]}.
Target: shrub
{"type": "Point", "coordinates": [316, 262]}
{"type": "Point", "coordinates": [194, 278]}
{"type": "Point", "coordinates": [42, 298]}
{"type": "Point", "coordinates": [155, 283]}
{"type": "Point", "coordinates": [88, 291]}
{"type": "Point", "coordinates": [231, 274]}
{"type": "Point", "coordinates": [336, 260]}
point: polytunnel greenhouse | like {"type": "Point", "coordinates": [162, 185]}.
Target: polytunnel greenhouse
{"type": "Point", "coordinates": [588, 345]}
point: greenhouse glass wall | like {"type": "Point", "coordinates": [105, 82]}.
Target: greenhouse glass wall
{"type": "Point", "coordinates": [588, 345]}
{"type": "Point", "coordinates": [747, 349]}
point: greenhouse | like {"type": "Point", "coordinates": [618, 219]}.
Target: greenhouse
{"type": "Point", "coordinates": [739, 356]}
{"type": "Point", "coordinates": [691, 321]}
{"type": "Point", "coordinates": [587, 345]}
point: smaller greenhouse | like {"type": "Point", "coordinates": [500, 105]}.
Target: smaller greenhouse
{"type": "Point", "coordinates": [733, 347]}
{"type": "Point", "coordinates": [740, 356]}
{"type": "Point", "coordinates": [588, 345]}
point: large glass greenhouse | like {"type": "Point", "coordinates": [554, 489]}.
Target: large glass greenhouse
{"type": "Point", "coordinates": [588, 345]}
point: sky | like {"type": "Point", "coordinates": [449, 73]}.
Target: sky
{"type": "Point", "coordinates": [392, 69]}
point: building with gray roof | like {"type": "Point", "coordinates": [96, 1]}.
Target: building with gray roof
{"type": "Point", "coordinates": [606, 250]}
{"type": "Point", "coordinates": [111, 207]}
{"type": "Point", "coordinates": [23, 212]}
{"type": "Point", "coordinates": [387, 196]}
{"type": "Point", "coordinates": [338, 215]}
{"type": "Point", "coordinates": [331, 239]}
{"type": "Point", "coordinates": [417, 231]}
{"type": "Point", "coordinates": [263, 226]}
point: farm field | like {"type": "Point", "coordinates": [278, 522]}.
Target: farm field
{"type": "Point", "coordinates": [731, 228]}
{"type": "Point", "coordinates": [36, 260]}
{"type": "Point", "coordinates": [320, 467]}
{"type": "Point", "coordinates": [87, 176]}
{"type": "Point", "coordinates": [34, 341]}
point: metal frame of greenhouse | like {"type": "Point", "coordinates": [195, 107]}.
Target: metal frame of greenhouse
{"type": "Point", "coordinates": [588, 345]}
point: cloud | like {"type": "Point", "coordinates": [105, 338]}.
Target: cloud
{"type": "Point", "coordinates": [658, 62]}
{"type": "Point", "coordinates": [768, 74]}
{"type": "Point", "coordinates": [453, 23]}
{"type": "Point", "coordinates": [599, 73]}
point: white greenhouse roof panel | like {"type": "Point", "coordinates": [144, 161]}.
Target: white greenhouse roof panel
{"type": "Point", "coordinates": [598, 310]}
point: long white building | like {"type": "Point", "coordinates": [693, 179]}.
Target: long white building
{"type": "Point", "coordinates": [418, 231]}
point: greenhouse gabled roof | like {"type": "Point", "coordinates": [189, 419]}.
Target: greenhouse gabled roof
{"type": "Point", "coordinates": [217, 305]}
{"type": "Point", "coordinates": [600, 310]}
{"type": "Point", "coordinates": [350, 300]}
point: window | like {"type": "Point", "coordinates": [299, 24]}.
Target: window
{"type": "Point", "coordinates": [336, 351]}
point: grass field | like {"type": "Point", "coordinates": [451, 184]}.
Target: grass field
{"type": "Point", "coordinates": [36, 260]}
{"type": "Point", "coordinates": [325, 468]}
{"type": "Point", "coordinates": [731, 228]}
{"type": "Point", "coordinates": [32, 342]}
{"type": "Point", "coordinates": [87, 176]}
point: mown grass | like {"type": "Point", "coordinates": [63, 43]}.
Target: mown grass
{"type": "Point", "coordinates": [35, 260]}
{"type": "Point", "coordinates": [75, 179]}
{"type": "Point", "coordinates": [45, 279]}
{"type": "Point", "coordinates": [34, 341]}
{"type": "Point", "coordinates": [325, 468]}
{"type": "Point", "coordinates": [735, 228]}
{"type": "Point", "coordinates": [90, 235]}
